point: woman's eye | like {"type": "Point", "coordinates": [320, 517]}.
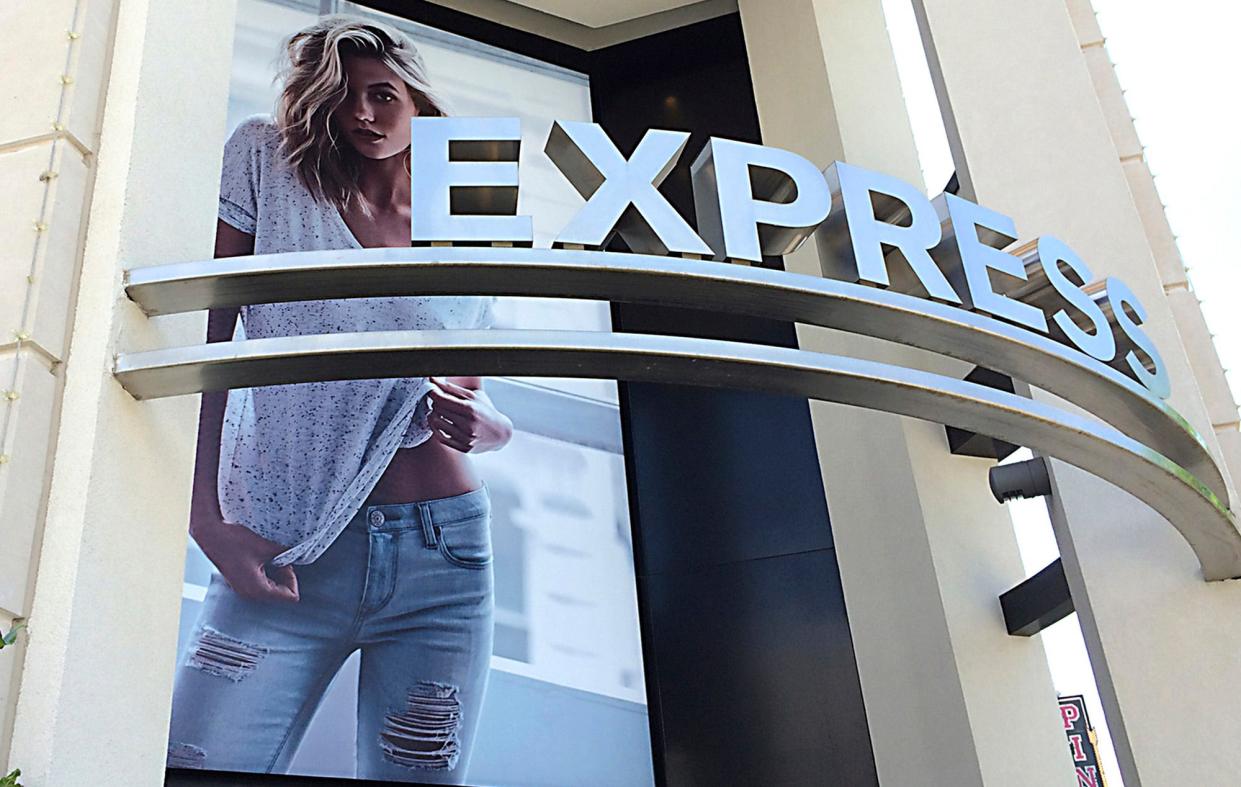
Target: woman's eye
{"type": "Point", "coordinates": [385, 97]}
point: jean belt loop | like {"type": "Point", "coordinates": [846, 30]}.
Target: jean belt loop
{"type": "Point", "coordinates": [428, 527]}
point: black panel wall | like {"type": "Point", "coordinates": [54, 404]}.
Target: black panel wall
{"type": "Point", "coordinates": [750, 665]}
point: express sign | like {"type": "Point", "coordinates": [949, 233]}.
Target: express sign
{"type": "Point", "coordinates": [754, 201]}
{"type": "Point", "coordinates": [943, 275]}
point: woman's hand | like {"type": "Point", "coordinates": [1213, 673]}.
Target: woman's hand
{"type": "Point", "coordinates": [465, 419]}
{"type": "Point", "coordinates": [239, 554]}
{"type": "Point", "coordinates": [241, 557]}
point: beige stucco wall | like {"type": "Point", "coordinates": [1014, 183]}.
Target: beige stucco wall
{"type": "Point", "coordinates": [924, 551]}
{"type": "Point", "coordinates": [51, 97]}
{"type": "Point", "coordinates": [1032, 138]}
{"type": "Point", "coordinates": [93, 691]}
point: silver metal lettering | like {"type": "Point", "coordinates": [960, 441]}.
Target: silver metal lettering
{"type": "Point", "coordinates": [970, 250]}
{"type": "Point", "coordinates": [466, 184]}
{"type": "Point", "coordinates": [1055, 278]}
{"type": "Point", "coordinates": [621, 196]}
{"type": "Point", "coordinates": [1128, 314]}
{"type": "Point", "coordinates": [872, 211]}
{"type": "Point", "coordinates": [752, 200]}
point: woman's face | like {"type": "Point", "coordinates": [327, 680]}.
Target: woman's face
{"type": "Point", "coordinates": [374, 117]}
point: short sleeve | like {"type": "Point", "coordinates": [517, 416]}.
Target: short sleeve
{"type": "Point", "coordinates": [244, 155]}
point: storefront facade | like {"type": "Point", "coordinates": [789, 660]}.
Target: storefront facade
{"type": "Point", "coordinates": [873, 649]}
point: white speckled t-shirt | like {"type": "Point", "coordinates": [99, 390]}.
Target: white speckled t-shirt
{"type": "Point", "coordinates": [297, 461]}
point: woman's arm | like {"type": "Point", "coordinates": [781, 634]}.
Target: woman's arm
{"type": "Point", "coordinates": [238, 553]}
{"type": "Point", "coordinates": [464, 418]}
{"type": "Point", "coordinates": [229, 242]}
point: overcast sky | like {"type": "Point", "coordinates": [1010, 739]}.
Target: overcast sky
{"type": "Point", "coordinates": [1177, 64]}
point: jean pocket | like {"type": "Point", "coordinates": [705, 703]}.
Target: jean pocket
{"type": "Point", "coordinates": [466, 543]}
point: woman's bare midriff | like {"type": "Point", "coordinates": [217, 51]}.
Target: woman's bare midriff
{"type": "Point", "coordinates": [427, 472]}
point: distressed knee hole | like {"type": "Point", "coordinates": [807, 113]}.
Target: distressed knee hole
{"type": "Point", "coordinates": [221, 655]}
{"type": "Point", "coordinates": [185, 755]}
{"type": "Point", "coordinates": [424, 733]}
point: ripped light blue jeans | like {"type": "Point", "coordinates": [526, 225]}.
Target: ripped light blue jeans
{"type": "Point", "coordinates": [408, 585]}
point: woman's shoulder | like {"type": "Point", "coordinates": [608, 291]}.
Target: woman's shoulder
{"type": "Point", "coordinates": [253, 157]}
{"type": "Point", "coordinates": [255, 133]}
{"type": "Point", "coordinates": [254, 178]}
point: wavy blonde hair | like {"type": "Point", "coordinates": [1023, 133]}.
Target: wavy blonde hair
{"type": "Point", "coordinates": [314, 86]}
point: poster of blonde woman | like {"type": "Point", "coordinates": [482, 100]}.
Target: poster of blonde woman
{"type": "Point", "coordinates": [424, 580]}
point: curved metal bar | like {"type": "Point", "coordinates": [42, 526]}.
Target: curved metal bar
{"type": "Point", "coordinates": [812, 300]}
{"type": "Point", "coordinates": [1190, 506]}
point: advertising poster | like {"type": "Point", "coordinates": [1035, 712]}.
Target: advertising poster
{"type": "Point", "coordinates": [402, 579]}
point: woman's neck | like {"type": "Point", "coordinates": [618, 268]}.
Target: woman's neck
{"type": "Point", "coordinates": [384, 183]}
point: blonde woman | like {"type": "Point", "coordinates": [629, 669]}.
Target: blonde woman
{"type": "Point", "coordinates": [341, 516]}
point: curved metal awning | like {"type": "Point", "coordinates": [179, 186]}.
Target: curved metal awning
{"type": "Point", "coordinates": [855, 308]}
{"type": "Point", "coordinates": [1154, 453]}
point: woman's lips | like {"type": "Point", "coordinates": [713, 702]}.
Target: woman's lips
{"type": "Point", "coordinates": [366, 135]}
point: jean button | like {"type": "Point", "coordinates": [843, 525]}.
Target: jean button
{"type": "Point", "coordinates": [377, 518]}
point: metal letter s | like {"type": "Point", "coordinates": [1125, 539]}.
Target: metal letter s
{"type": "Point", "coordinates": [1129, 313]}
{"type": "Point", "coordinates": [970, 250]}
{"type": "Point", "coordinates": [1100, 344]}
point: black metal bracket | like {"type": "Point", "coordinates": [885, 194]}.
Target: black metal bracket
{"type": "Point", "coordinates": [1038, 602]}
{"type": "Point", "coordinates": [962, 442]}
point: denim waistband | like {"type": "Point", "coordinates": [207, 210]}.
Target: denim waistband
{"type": "Point", "coordinates": [440, 512]}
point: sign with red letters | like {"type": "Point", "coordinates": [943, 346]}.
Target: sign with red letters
{"type": "Point", "coordinates": [1082, 741]}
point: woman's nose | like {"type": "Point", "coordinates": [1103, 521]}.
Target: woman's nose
{"type": "Point", "coordinates": [362, 110]}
